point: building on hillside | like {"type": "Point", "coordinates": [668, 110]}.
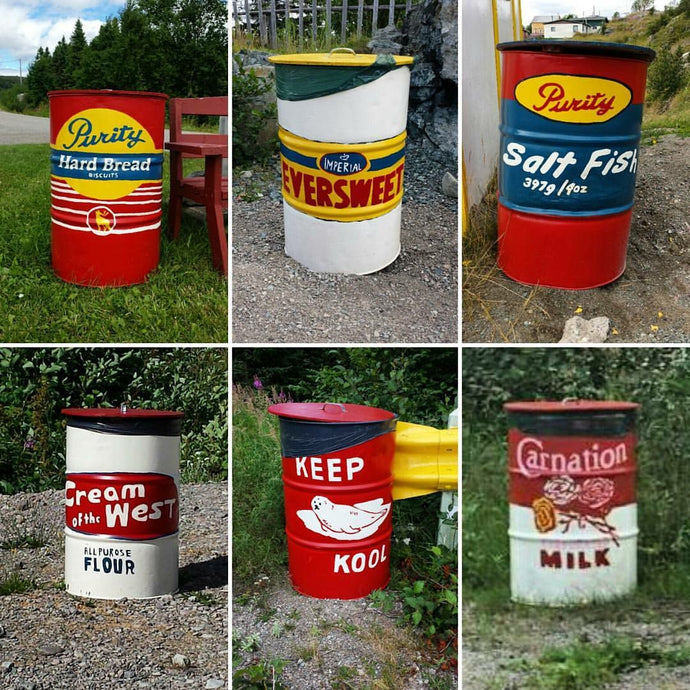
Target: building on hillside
{"type": "Point", "coordinates": [567, 28]}
{"type": "Point", "coordinates": [596, 21]}
{"type": "Point", "coordinates": [538, 24]}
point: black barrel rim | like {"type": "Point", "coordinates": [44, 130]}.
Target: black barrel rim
{"type": "Point", "coordinates": [590, 48]}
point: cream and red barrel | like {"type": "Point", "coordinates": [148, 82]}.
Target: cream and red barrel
{"type": "Point", "coordinates": [573, 507]}
{"type": "Point", "coordinates": [342, 126]}
{"type": "Point", "coordinates": [122, 502]}
{"type": "Point", "coordinates": [106, 185]}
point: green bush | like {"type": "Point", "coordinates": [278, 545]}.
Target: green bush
{"type": "Point", "coordinates": [419, 384]}
{"type": "Point", "coordinates": [666, 74]}
{"type": "Point", "coordinates": [251, 116]}
{"type": "Point", "coordinates": [35, 384]}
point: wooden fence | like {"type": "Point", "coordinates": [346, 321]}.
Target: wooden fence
{"type": "Point", "coordinates": [263, 15]}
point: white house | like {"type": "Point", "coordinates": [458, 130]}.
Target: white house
{"type": "Point", "coordinates": [567, 28]}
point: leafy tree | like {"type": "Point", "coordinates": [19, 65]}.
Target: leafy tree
{"type": "Point", "coordinates": [179, 47]}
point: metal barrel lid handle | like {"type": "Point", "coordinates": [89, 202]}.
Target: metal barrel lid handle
{"type": "Point", "coordinates": [340, 405]}
{"type": "Point", "coordinates": [342, 50]}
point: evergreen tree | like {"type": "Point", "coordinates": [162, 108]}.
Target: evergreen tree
{"type": "Point", "coordinates": [39, 79]}
{"type": "Point", "coordinates": [60, 65]}
{"type": "Point", "coordinates": [75, 55]}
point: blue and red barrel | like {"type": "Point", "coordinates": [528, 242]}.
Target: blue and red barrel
{"type": "Point", "coordinates": [571, 113]}
{"type": "Point", "coordinates": [337, 462]}
{"type": "Point", "coordinates": [106, 185]}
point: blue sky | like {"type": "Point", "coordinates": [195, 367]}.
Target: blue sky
{"type": "Point", "coordinates": [606, 8]}
{"type": "Point", "coordinates": [25, 25]}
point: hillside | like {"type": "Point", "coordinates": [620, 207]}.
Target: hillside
{"type": "Point", "coordinates": [652, 30]}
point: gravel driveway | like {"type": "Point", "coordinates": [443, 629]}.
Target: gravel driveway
{"type": "Point", "coordinates": [50, 640]}
{"type": "Point", "coordinates": [414, 300]}
{"type": "Point", "coordinates": [23, 129]}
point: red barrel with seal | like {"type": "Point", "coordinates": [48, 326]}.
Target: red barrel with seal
{"type": "Point", "coordinates": [106, 185]}
{"type": "Point", "coordinates": [121, 502]}
{"type": "Point", "coordinates": [571, 113]}
{"type": "Point", "coordinates": [573, 506]}
{"type": "Point", "coordinates": [337, 479]}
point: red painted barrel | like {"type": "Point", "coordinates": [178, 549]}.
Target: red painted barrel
{"type": "Point", "coordinates": [337, 479]}
{"type": "Point", "coordinates": [573, 507]}
{"type": "Point", "coordinates": [121, 502]}
{"type": "Point", "coordinates": [571, 113]}
{"type": "Point", "coordinates": [106, 185]}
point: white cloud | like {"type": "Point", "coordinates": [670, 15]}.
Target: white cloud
{"type": "Point", "coordinates": [23, 31]}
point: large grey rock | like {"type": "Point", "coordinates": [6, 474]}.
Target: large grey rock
{"type": "Point", "coordinates": [579, 330]}
{"type": "Point", "coordinates": [386, 41]}
{"type": "Point", "coordinates": [431, 30]}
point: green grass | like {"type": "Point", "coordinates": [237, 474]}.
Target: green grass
{"type": "Point", "coordinates": [184, 300]}
{"type": "Point", "coordinates": [258, 540]}
{"type": "Point", "coordinates": [16, 584]}
{"type": "Point", "coordinates": [587, 666]}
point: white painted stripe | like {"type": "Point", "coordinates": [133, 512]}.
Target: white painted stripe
{"type": "Point", "coordinates": [103, 202]}
{"type": "Point", "coordinates": [155, 226]}
{"type": "Point", "coordinates": [118, 215]}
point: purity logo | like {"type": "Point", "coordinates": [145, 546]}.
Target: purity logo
{"type": "Point", "coordinates": [573, 99]}
{"type": "Point", "coordinates": [105, 154]}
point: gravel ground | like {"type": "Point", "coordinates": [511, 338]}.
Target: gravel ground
{"type": "Point", "coordinates": [330, 643]}
{"type": "Point", "coordinates": [497, 650]}
{"type": "Point", "coordinates": [51, 640]}
{"type": "Point", "coordinates": [649, 303]}
{"type": "Point", "coordinates": [413, 300]}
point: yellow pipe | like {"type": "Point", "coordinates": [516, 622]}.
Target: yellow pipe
{"type": "Point", "coordinates": [425, 460]}
{"type": "Point", "coordinates": [497, 55]}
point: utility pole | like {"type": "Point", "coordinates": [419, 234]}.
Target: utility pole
{"type": "Point", "coordinates": [20, 72]}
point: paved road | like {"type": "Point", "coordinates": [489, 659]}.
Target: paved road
{"type": "Point", "coordinates": [23, 129]}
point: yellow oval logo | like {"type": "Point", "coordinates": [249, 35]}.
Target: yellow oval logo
{"type": "Point", "coordinates": [578, 100]}
{"type": "Point", "coordinates": [101, 131]}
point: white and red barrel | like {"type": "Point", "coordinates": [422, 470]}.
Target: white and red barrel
{"type": "Point", "coordinates": [573, 506]}
{"type": "Point", "coordinates": [337, 462]}
{"type": "Point", "coordinates": [122, 502]}
{"type": "Point", "coordinates": [106, 184]}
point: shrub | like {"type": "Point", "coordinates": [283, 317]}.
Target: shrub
{"type": "Point", "coordinates": [251, 117]}
{"type": "Point", "coordinates": [37, 383]}
{"type": "Point", "coordinates": [666, 74]}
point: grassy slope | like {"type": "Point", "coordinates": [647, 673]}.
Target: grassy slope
{"type": "Point", "coordinates": [659, 118]}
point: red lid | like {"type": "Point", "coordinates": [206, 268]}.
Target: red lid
{"type": "Point", "coordinates": [570, 406]}
{"type": "Point", "coordinates": [331, 412]}
{"type": "Point", "coordinates": [111, 412]}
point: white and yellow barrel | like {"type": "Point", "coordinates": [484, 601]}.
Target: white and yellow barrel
{"type": "Point", "coordinates": [342, 120]}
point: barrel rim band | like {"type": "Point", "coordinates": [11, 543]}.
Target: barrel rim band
{"type": "Point", "coordinates": [375, 540]}
{"type": "Point", "coordinates": [386, 483]}
{"type": "Point", "coordinates": [580, 48]}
